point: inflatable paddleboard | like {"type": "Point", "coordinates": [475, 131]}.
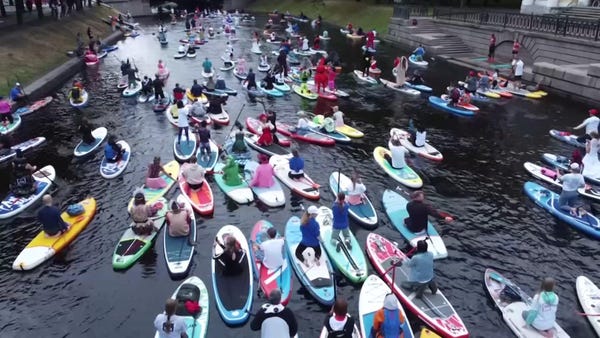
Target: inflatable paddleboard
{"type": "Point", "coordinates": [412, 59]}
{"type": "Point", "coordinates": [233, 294]}
{"type": "Point", "coordinates": [567, 137]}
{"type": "Point", "coordinates": [589, 298]}
{"type": "Point", "coordinates": [367, 79]}
{"type": "Point", "coordinates": [114, 169]}
{"type": "Point", "coordinates": [427, 151]}
{"type": "Point", "coordinates": [84, 96]}
{"type": "Point", "coordinates": [406, 176]}
{"type": "Point", "coordinates": [37, 105]}
{"type": "Point", "coordinates": [305, 135]}
{"type": "Point", "coordinates": [24, 146]}
{"type": "Point", "coordinates": [42, 247]}
{"type": "Point", "coordinates": [442, 104]}
{"type": "Point", "coordinates": [402, 89]}
{"type": "Point", "coordinates": [131, 91]}
{"type": "Point", "coordinates": [273, 149]}
{"type": "Point", "coordinates": [83, 149]}
{"type": "Point", "coordinates": [253, 126]}
{"type": "Point", "coordinates": [316, 278]}
{"type": "Point", "coordinates": [184, 149]}
{"type": "Point", "coordinates": [209, 161]}
{"type": "Point", "coordinates": [305, 94]}
{"type": "Point", "coordinates": [434, 309]}
{"type": "Point", "coordinates": [395, 207]}
{"type": "Point", "coordinates": [272, 196]}
{"type": "Point", "coordinates": [178, 250]}
{"type": "Point", "coordinates": [542, 173]}
{"type": "Point", "coordinates": [363, 212]}
{"type": "Point", "coordinates": [12, 205]}
{"type": "Point", "coordinates": [172, 169]}
{"type": "Point", "coordinates": [304, 187]}
{"type": "Point", "coordinates": [270, 278]}
{"type": "Point", "coordinates": [222, 118]}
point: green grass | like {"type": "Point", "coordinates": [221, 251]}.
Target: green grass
{"type": "Point", "coordinates": [363, 14]}
{"type": "Point", "coordinates": [38, 47]}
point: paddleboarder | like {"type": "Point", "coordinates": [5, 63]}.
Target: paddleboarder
{"type": "Point", "coordinates": [341, 224]}
{"type": "Point", "coordinates": [542, 310]}
{"type": "Point", "coordinates": [153, 178]}
{"type": "Point", "coordinates": [591, 125]}
{"type": "Point", "coordinates": [264, 174]}
{"type": "Point", "coordinates": [270, 249]}
{"type": "Point", "coordinates": [273, 319]}
{"type": "Point", "coordinates": [571, 182]}
{"type": "Point", "coordinates": [296, 166]}
{"type": "Point", "coordinates": [49, 217]}
{"type": "Point", "coordinates": [232, 257]}
{"type": "Point", "coordinates": [339, 323]}
{"type": "Point", "coordinates": [419, 211]}
{"type": "Point", "coordinates": [388, 321]}
{"type": "Point", "coordinates": [397, 159]}
{"type": "Point", "coordinates": [311, 238]}
{"type": "Point", "coordinates": [168, 324]}
{"type": "Point", "coordinates": [23, 183]}
{"type": "Point", "coordinates": [356, 190]}
{"type": "Point", "coordinates": [421, 274]}
{"type": "Point", "coordinates": [141, 212]}
{"type": "Point", "coordinates": [178, 221]}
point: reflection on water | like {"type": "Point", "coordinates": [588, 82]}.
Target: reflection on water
{"type": "Point", "coordinates": [480, 182]}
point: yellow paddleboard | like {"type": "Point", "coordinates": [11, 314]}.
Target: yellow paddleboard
{"type": "Point", "coordinates": [490, 94]}
{"type": "Point", "coordinates": [202, 98]}
{"type": "Point", "coordinates": [349, 131]}
{"type": "Point", "coordinates": [41, 248]}
{"type": "Point", "coordinates": [540, 93]}
{"type": "Point", "coordinates": [426, 333]}
{"type": "Point", "coordinates": [152, 195]}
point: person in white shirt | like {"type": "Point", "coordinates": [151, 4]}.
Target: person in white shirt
{"type": "Point", "coordinates": [420, 138]}
{"type": "Point", "coordinates": [518, 67]}
{"type": "Point", "coordinates": [397, 160]}
{"type": "Point", "coordinates": [182, 121]}
{"type": "Point", "coordinates": [590, 124]}
{"type": "Point", "coordinates": [303, 124]}
{"type": "Point", "coordinates": [168, 324]}
{"type": "Point", "coordinates": [304, 44]}
{"type": "Point", "coordinates": [338, 117]}
{"type": "Point", "coordinates": [272, 250]}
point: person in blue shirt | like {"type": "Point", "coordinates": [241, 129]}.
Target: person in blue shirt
{"type": "Point", "coordinates": [421, 274]}
{"type": "Point", "coordinates": [207, 65]}
{"type": "Point", "coordinates": [419, 53]}
{"type": "Point", "coordinates": [311, 236]}
{"type": "Point", "coordinates": [112, 150]}
{"type": "Point", "coordinates": [49, 217]}
{"type": "Point", "coordinates": [196, 89]}
{"type": "Point", "coordinates": [17, 94]}
{"type": "Point", "coordinates": [296, 166]}
{"type": "Point", "coordinates": [341, 223]}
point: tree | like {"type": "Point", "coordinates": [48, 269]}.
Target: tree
{"type": "Point", "coordinates": [20, 8]}
{"type": "Point", "coordinates": [40, 10]}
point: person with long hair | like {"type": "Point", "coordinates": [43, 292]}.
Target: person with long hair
{"type": "Point", "coordinates": [542, 311]}
{"type": "Point", "coordinates": [168, 324]}
{"type": "Point", "coordinates": [356, 191]}
{"type": "Point", "coordinates": [309, 227]}
{"type": "Point", "coordinates": [341, 224]}
{"type": "Point", "coordinates": [339, 323]}
{"type": "Point", "coordinates": [232, 256]}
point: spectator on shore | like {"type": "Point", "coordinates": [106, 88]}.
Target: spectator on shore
{"type": "Point", "coordinates": [492, 49]}
{"type": "Point", "coordinates": [515, 49]}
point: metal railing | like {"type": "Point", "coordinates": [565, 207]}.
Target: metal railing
{"type": "Point", "coordinates": [557, 25]}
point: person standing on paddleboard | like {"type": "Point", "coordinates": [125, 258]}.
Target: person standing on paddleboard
{"type": "Point", "coordinates": [341, 224]}
{"type": "Point", "coordinates": [388, 320]}
{"type": "Point", "coordinates": [419, 211]}
{"type": "Point", "coordinates": [158, 88]}
{"type": "Point", "coordinates": [168, 324]}
{"type": "Point", "coordinates": [49, 217]}
{"type": "Point", "coordinates": [421, 274]}
{"type": "Point", "coordinates": [571, 182]}
{"type": "Point", "coordinates": [273, 319]}
{"type": "Point", "coordinates": [311, 237]}
{"type": "Point", "coordinates": [591, 125]}
{"type": "Point", "coordinates": [542, 311]}
{"type": "Point", "coordinates": [492, 49]}
{"type": "Point", "coordinates": [183, 122]}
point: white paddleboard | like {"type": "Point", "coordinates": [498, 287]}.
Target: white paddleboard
{"type": "Point", "coordinates": [304, 187]}
{"type": "Point", "coordinates": [589, 298]}
{"type": "Point", "coordinates": [83, 149]}
{"type": "Point", "coordinates": [112, 170]}
{"type": "Point", "coordinates": [272, 196]}
{"type": "Point", "coordinates": [427, 151]}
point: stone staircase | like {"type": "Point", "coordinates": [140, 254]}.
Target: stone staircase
{"type": "Point", "coordinates": [591, 13]}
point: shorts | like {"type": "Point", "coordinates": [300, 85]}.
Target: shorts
{"type": "Point", "coordinates": [515, 52]}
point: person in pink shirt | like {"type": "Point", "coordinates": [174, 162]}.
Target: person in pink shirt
{"type": "Point", "coordinates": [263, 176]}
{"type": "Point", "coordinates": [331, 77]}
{"type": "Point", "coordinates": [5, 114]}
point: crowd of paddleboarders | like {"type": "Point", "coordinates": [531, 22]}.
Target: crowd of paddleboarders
{"type": "Point", "coordinates": [323, 235]}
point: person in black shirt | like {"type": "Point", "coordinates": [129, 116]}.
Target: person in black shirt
{"type": "Point", "coordinates": [274, 319]}
{"type": "Point", "coordinates": [418, 212]}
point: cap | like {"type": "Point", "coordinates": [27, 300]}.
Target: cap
{"type": "Point", "coordinates": [390, 302]}
{"type": "Point", "coordinates": [574, 166]}
{"type": "Point", "coordinates": [312, 210]}
{"type": "Point", "coordinates": [17, 84]}
{"type": "Point", "coordinates": [593, 111]}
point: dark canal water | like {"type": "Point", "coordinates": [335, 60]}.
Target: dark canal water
{"type": "Point", "coordinates": [480, 181]}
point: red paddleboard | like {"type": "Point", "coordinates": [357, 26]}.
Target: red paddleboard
{"type": "Point", "coordinates": [252, 126]}
{"type": "Point", "coordinates": [305, 135]}
{"type": "Point", "coordinates": [201, 199]}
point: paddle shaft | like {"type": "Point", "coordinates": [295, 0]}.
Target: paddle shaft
{"type": "Point", "coordinates": [49, 179]}
{"type": "Point", "coordinates": [236, 119]}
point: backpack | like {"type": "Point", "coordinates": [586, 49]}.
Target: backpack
{"type": "Point", "coordinates": [75, 209]}
{"type": "Point", "coordinates": [345, 332]}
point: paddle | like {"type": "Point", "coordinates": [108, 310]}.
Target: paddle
{"type": "Point", "coordinates": [48, 177]}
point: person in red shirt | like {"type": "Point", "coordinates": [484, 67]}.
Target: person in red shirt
{"type": "Point", "coordinates": [515, 49]}
{"type": "Point", "coordinates": [370, 40]}
{"type": "Point", "coordinates": [316, 43]}
{"type": "Point", "coordinates": [492, 49]}
{"type": "Point", "coordinates": [178, 92]}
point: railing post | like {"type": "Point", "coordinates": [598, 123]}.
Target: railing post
{"type": "Point", "coordinates": [565, 27]}
{"type": "Point", "coordinates": [597, 29]}
{"type": "Point", "coordinates": [505, 19]}
{"type": "Point", "coordinates": [531, 21]}
{"type": "Point", "coordinates": [465, 17]}
{"type": "Point", "coordinates": [557, 25]}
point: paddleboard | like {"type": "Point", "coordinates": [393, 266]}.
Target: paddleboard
{"type": "Point", "coordinates": [367, 79]}
{"type": "Point", "coordinates": [304, 187]}
{"type": "Point", "coordinates": [538, 172]}
{"type": "Point", "coordinates": [350, 131]}
{"type": "Point", "coordinates": [402, 89]}
{"type": "Point", "coordinates": [561, 162]}
{"type": "Point", "coordinates": [427, 151]}
{"type": "Point", "coordinates": [209, 74]}
{"type": "Point", "coordinates": [305, 135]}
{"type": "Point", "coordinates": [172, 169]}
{"type": "Point", "coordinates": [346, 253]}
{"type": "Point", "coordinates": [316, 278]}
{"type": "Point", "coordinates": [282, 87]}
{"type": "Point", "coordinates": [200, 199]}
{"type": "Point", "coordinates": [131, 91]}
{"type": "Point", "coordinates": [37, 105]}
{"type": "Point", "coordinates": [222, 118]}
{"type": "Point", "coordinates": [253, 126]}
{"type": "Point", "coordinates": [209, 161]}
{"type": "Point", "coordinates": [395, 207]}
{"type": "Point", "coordinates": [273, 149]}
{"type": "Point", "coordinates": [412, 59]}
{"type": "Point", "coordinates": [363, 212]}
{"type": "Point", "coordinates": [83, 149]}
{"type": "Point", "coordinates": [114, 169]}
{"type": "Point", "coordinates": [443, 105]}
{"type": "Point", "coordinates": [143, 98]}
{"type": "Point", "coordinates": [466, 106]}
{"type": "Point", "coordinates": [370, 300]}
{"type": "Point", "coordinates": [589, 298]}
{"type": "Point", "coordinates": [42, 247]}
{"type": "Point", "coordinates": [24, 146]}
{"type": "Point", "coordinates": [272, 196]}
{"type": "Point", "coordinates": [305, 94]}
{"type": "Point", "coordinates": [434, 309]}
{"type": "Point", "coordinates": [588, 223]}
{"type": "Point", "coordinates": [270, 279]}
{"type": "Point", "coordinates": [233, 294]}
{"type": "Point", "coordinates": [512, 309]}
{"type": "Point", "coordinates": [84, 96]}
{"type": "Point", "coordinates": [406, 176]}
{"type": "Point", "coordinates": [241, 194]}
{"type": "Point", "coordinates": [419, 87]}
{"type": "Point", "coordinates": [184, 149]}
{"type": "Point", "coordinates": [161, 105]}
{"type": "Point", "coordinates": [131, 246]}
{"type": "Point", "coordinates": [12, 205]}
{"type": "Point", "coordinates": [192, 289]}
{"type": "Point", "coordinates": [567, 137]}
{"type": "Point", "coordinates": [178, 250]}
{"type": "Point", "coordinates": [270, 92]}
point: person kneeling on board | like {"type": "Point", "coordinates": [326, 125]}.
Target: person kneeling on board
{"type": "Point", "coordinates": [341, 223]}
{"type": "Point", "coordinates": [356, 190]}
{"type": "Point", "coordinates": [232, 257]}
{"type": "Point", "coordinates": [270, 249]}
{"type": "Point", "coordinates": [418, 212]}
{"type": "Point", "coordinates": [569, 197]}
{"type": "Point", "coordinates": [454, 95]}
{"type": "Point", "coordinates": [388, 320]}
{"type": "Point", "coordinates": [398, 153]}
{"type": "Point", "coordinates": [23, 184]}
{"type": "Point", "coordinates": [153, 178]}
{"type": "Point", "coordinates": [231, 173]}
{"type": "Point", "coordinates": [542, 311]}
{"type": "Point", "coordinates": [273, 319]}
{"type": "Point", "coordinates": [296, 166]}
{"type": "Point", "coordinates": [309, 227]}
{"type": "Point", "coordinates": [141, 213]}
{"type": "Point", "coordinates": [193, 173]}
{"type": "Point", "coordinates": [339, 324]}
{"type": "Point", "coordinates": [421, 274]}
{"type": "Point", "coordinates": [49, 217]}
{"type": "Point", "coordinates": [263, 176]}
{"type": "Point", "coordinates": [112, 150]}
{"type": "Point", "coordinates": [75, 92]}
{"type": "Point", "coordinates": [178, 221]}
{"type": "Point", "coordinates": [239, 144]}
